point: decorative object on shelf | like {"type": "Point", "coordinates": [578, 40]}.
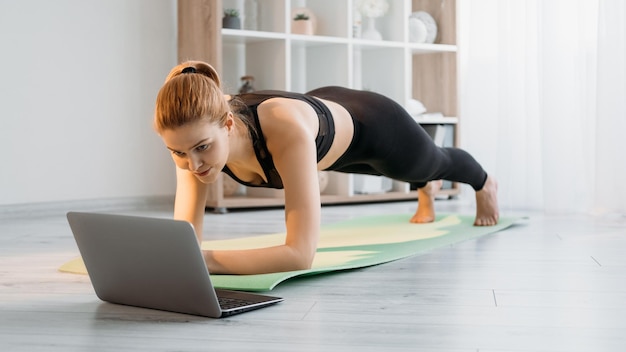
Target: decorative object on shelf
{"type": "Point", "coordinates": [422, 28]}
{"type": "Point", "coordinates": [251, 10]}
{"type": "Point", "coordinates": [372, 9]}
{"type": "Point", "coordinates": [231, 19]}
{"type": "Point", "coordinates": [417, 31]}
{"type": "Point", "coordinates": [246, 84]}
{"type": "Point", "coordinates": [303, 21]}
{"type": "Point", "coordinates": [415, 107]}
{"type": "Point", "coordinates": [370, 32]}
{"type": "Point", "coordinates": [357, 24]}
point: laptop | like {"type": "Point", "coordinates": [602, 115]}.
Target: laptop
{"type": "Point", "coordinates": [153, 263]}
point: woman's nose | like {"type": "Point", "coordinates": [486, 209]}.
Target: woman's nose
{"type": "Point", "coordinates": [194, 163]}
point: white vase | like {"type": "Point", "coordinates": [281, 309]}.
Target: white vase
{"type": "Point", "coordinates": [370, 32]}
{"type": "Point", "coordinates": [302, 27]}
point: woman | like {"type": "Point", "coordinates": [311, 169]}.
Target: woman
{"type": "Point", "coordinates": [279, 139]}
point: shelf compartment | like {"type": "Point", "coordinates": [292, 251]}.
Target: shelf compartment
{"type": "Point", "coordinates": [259, 15]}
{"type": "Point", "coordinates": [381, 70]}
{"type": "Point", "coordinates": [311, 66]}
{"type": "Point", "coordinates": [263, 59]}
{"type": "Point", "coordinates": [331, 16]}
{"type": "Point", "coordinates": [393, 26]}
{"type": "Point", "coordinates": [435, 80]}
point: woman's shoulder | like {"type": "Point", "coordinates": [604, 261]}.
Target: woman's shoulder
{"type": "Point", "coordinates": [286, 115]}
{"type": "Point", "coordinates": [283, 107]}
{"type": "Point", "coordinates": [257, 98]}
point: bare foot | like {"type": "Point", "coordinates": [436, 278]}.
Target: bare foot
{"type": "Point", "coordinates": [426, 202]}
{"type": "Point", "coordinates": [487, 204]}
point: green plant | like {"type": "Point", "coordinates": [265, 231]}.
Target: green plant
{"type": "Point", "coordinates": [231, 13]}
{"type": "Point", "coordinates": [301, 17]}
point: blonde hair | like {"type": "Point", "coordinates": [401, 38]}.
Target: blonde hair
{"type": "Point", "coordinates": [192, 91]}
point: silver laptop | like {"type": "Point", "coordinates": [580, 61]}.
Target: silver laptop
{"type": "Point", "coordinates": [153, 263]}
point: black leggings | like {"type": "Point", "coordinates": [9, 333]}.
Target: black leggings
{"type": "Point", "coordinates": [388, 142]}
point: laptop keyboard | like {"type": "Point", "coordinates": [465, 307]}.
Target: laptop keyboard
{"type": "Point", "coordinates": [230, 303]}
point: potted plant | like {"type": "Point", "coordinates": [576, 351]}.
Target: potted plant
{"type": "Point", "coordinates": [231, 19]}
{"type": "Point", "coordinates": [302, 24]}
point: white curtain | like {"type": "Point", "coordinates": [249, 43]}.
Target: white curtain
{"type": "Point", "coordinates": [542, 101]}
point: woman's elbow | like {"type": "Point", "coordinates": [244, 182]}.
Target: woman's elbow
{"type": "Point", "coordinates": [305, 264]}
{"type": "Point", "coordinates": [303, 260]}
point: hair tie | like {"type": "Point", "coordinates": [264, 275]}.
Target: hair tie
{"type": "Point", "coordinates": [189, 69]}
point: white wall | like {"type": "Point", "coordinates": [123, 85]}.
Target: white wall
{"type": "Point", "coordinates": [77, 90]}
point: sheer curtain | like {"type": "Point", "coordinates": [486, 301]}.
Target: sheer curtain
{"type": "Point", "coordinates": [542, 91]}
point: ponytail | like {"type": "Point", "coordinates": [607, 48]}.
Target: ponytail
{"type": "Point", "coordinates": [191, 92]}
{"type": "Point", "coordinates": [198, 67]}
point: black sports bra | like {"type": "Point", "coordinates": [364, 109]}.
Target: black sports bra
{"type": "Point", "coordinates": [323, 141]}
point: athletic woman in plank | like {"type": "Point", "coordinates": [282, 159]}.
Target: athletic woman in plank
{"type": "Point", "coordinates": [281, 140]}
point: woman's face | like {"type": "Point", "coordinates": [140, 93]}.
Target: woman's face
{"type": "Point", "coordinates": [200, 147]}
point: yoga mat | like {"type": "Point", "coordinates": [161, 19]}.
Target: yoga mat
{"type": "Point", "coordinates": [351, 244]}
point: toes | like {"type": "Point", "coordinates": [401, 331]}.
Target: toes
{"type": "Point", "coordinates": [420, 219]}
{"type": "Point", "coordinates": [486, 221]}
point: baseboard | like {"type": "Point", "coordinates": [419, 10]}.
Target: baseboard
{"type": "Point", "coordinates": [51, 209]}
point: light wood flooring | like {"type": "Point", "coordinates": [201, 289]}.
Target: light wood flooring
{"type": "Point", "coordinates": [550, 283]}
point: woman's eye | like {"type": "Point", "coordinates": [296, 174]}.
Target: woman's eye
{"type": "Point", "coordinates": [202, 148]}
{"type": "Point", "coordinates": [179, 154]}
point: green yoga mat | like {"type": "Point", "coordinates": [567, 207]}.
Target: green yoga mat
{"type": "Point", "coordinates": [350, 244]}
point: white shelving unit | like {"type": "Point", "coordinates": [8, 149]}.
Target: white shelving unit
{"type": "Point", "coordinates": [394, 66]}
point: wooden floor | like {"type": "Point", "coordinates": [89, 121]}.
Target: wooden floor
{"type": "Point", "coordinates": [551, 283]}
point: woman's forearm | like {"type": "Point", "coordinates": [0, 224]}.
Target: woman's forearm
{"type": "Point", "coordinates": [257, 261]}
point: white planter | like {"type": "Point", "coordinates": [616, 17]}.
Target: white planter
{"type": "Point", "coordinates": [302, 27]}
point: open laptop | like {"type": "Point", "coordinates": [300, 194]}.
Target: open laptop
{"type": "Point", "coordinates": [153, 263]}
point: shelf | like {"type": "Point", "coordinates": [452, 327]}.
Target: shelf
{"type": "Point", "coordinates": [431, 48]}
{"type": "Point", "coordinates": [376, 44]}
{"type": "Point", "coordinates": [300, 39]}
{"type": "Point", "coordinates": [248, 202]}
{"type": "Point", "coordinates": [255, 202]}
{"type": "Point", "coordinates": [369, 198]}
{"type": "Point", "coordinates": [436, 120]}
{"type": "Point", "coordinates": [281, 60]}
{"type": "Point", "coordinates": [242, 36]}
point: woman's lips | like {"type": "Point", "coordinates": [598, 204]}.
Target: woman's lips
{"type": "Point", "coordinates": [204, 173]}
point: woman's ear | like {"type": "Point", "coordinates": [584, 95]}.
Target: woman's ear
{"type": "Point", "coordinates": [230, 122]}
